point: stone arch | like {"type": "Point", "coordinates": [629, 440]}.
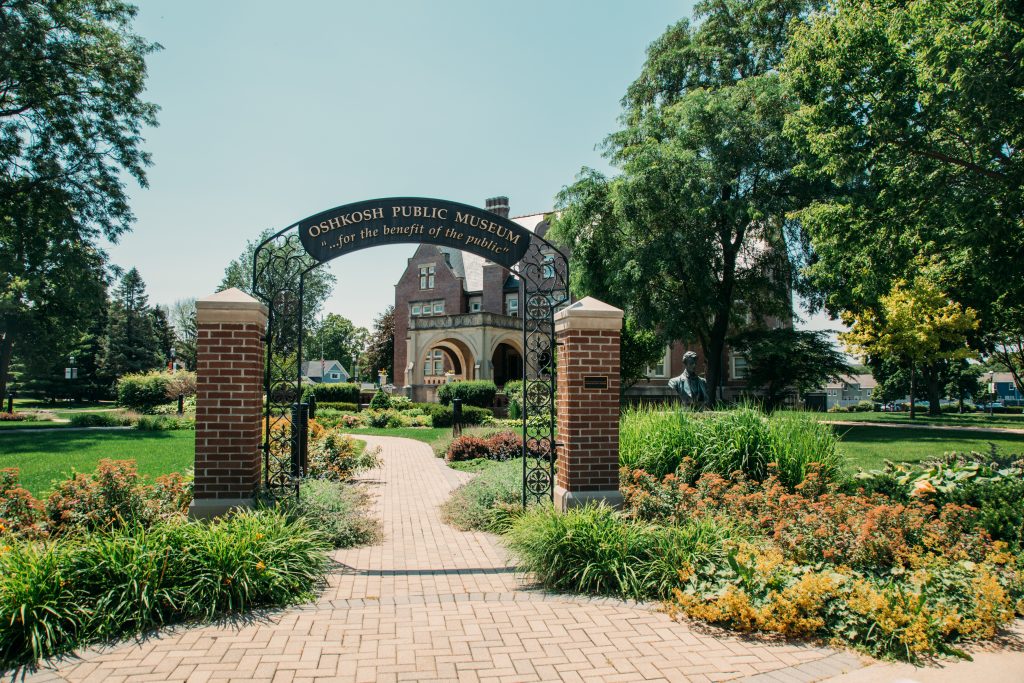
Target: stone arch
{"type": "Point", "coordinates": [453, 343]}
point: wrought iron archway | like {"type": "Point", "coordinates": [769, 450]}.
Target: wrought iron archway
{"type": "Point", "coordinates": [281, 264]}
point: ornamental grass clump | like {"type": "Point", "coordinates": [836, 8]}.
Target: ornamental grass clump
{"type": "Point", "coordinates": [594, 549]}
{"type": "Point", "coordinates": [743, 440]}
{"type": "Point", "coordinates": [480, 503]}
{"type": "Point", "coordinates": [109, 584]}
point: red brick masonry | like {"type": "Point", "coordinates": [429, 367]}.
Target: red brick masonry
{"type": "Point", "coordinates": [229, 398]}
{"type": "Point", "coordinates": [229, 401]}
{"type": "Point", "coordinates": [588, 403]}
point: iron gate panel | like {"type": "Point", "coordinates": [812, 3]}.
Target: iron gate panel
{"type": "Point", "coordinates": [280, 266]}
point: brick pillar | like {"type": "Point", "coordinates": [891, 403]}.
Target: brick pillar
{"type": "Point", "coordinates": [229, 401]}
{"type": "Point", "coordinates": [588, 403]}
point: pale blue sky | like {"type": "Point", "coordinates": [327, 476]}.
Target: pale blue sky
{"type": "Point", "coordinates": [273, 111]}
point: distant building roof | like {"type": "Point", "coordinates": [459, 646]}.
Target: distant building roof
{"type": "Point", "coordinates": [311, 368]}
{"type": "Point", "coordinates": [863, 381]}
{"type": "Point", "coordinates": [999, 377]}
{"type": "Point", "coordinates": [470, 267]}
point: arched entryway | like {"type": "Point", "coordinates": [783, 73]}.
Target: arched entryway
{"type": "Point", "coordinates": [507, 364]}
{"type": "Point", "coordinates": [447, 358]}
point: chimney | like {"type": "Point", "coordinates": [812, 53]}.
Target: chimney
{"type": "Point", "coordinates": [498, 205]}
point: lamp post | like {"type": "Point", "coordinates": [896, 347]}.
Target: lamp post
{"type": "Point", "coordinates": [173, 355]}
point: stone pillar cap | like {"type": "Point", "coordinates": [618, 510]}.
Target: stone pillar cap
{"type": "Point", "coordinates": [589, 314]}
{"type": "Point", "coordinates": [230, 305]}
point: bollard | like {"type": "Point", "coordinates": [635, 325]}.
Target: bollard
{"type": "Point", "coordinates": [312, 407]}
{"type": "Point", "coordinates": [181, 404]}
{"type": "Point", "coordinates": [10, 402]}
{"type": "Point", "coordinates": [456, 416]}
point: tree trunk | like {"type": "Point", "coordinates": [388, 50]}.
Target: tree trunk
{"type": "Point", "coordinates": [913, 390]}
{"type": "Point", "coordinates": [6, 352]}
{"type": "Point", "coordinates": [934, 389]}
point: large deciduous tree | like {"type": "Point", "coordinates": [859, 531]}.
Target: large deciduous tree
{"type": "Point", "coordinates": [912, 111]}
{"type": "Point", "coordinates": [690, 236]}
{"type": "Point", "coordinates": [72, 74]}
{"type": "Point", "coordinates": [917, 325]}
{"type": "Point", "coordinates": [183, 319]}
{"type": "Point", "coordinates": [337, 338]}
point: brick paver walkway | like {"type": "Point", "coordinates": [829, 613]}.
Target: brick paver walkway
{"type": "Point", "coordinates": [433, 603]}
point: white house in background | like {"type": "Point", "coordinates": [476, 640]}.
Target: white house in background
{"type": "Point", "coordinates": [849, 390]}
{"type": "Point", "coordinates": [324, 372]}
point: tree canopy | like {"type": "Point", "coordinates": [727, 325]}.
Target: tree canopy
{"type": "Point", "coordinates": [72, 74]}
{"type": "Point", "coordinates": [337, 338]}
{"type": "Point", "coordinates": [911, 112]}
{"type": "Point", "coordinates": [691, 235]}
{"type": "Point", "coordinates": [380, 349]}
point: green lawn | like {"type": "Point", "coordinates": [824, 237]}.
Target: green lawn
{"type": "Point", "coordinates": [869, 447]}
{"type": "Point", "coordinates": [33, 424]}
{"type": "Point", "coordinates": [44, 457]}
{"type": "Point", "coordinates": [996, 421]}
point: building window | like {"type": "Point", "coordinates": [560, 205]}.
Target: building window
{"type": "Point", "coordinates": [660, 369]}
{"type": "Point", "coordinates": [426, 277]}
{"type": "Point", "coordinates": [474, 306]}
{"type": "Point", "coordinates": [438, 308]}
{"type": "Point", "coordinates": [335, 375]}
{"type": "Point", "coordinates": [548, 265]}
{"type": "Point", "coordinates": [512, 305]}
{"type": "Point", "coordinates": [739, 366]}
{"type": "Point", "coordinates": [416, 309]}
{"type": "Point", "coordinates": [433, 364]}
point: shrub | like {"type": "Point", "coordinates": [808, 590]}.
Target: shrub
{"type": "Point", "coordinates": [382, 419]}
{"type": "Point", "coordinates": [101, 586]}
{"type": "Point", "coordinates": [380, 401]}
{"type": "Point", "coordinates": [401, 403]}
{"type": "Point", "coordinates": [180, 382]}
{"type": "Point", "coordinates": [656, 440]}
{"type": "Point", "coordinates": [593, 549]}
{"type": "Point", "coordinates": [476, 504]}
{"type": "Point", "coordinates": [337, 456]}
{"type": "Point", "coordinates": [337, 511]}
{"type": "Point", "coordinates": [514, 392]}
{"type": "Point", "coordinates": [441, 416]}
{"type": "Point", "coordinates": [12, 417]}
{"type": "Point", "coordinates": [164, 423]}
{"type": "Point", "coordinates": [344, 392]}
{"type": "Point", "coordinates": [109, 418]}
{"type": "Point", "coordinates": [336, 405]}
{"type": "Point", "coordinates": [112, 496]}
{"type": "Point", "coordinates": [143, 392]}
{"type": "Point", "coordinates": [468, 448]}
{"type": "Point", "coordinates": [865, 406]}
{"type": "Point", "coordinates": [20, 512]}
{"type": "Point", "coordinates": [479, 393]}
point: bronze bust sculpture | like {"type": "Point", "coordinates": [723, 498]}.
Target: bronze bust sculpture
{"type": "Point", "coordinates": [692, 390]}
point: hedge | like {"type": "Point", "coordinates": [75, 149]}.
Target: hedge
{"type": "Point", "coordinates": [143, 392]}
{"type": "Point", "coordinates": [346, 392]}
{"type": "Point", "coordinates": [478, 393]}
{"type": "Point", "coordinates": [337, 405]}
{"type": "Point", "coordinates": [441, 416]}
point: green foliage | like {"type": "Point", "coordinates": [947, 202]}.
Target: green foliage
{"type": "Point", "coordinates": [514, 391]}
{"type": "Point", "coordinates": [783, 360]}
{"type": "Point", "coordinates": [102, 586]}
{"type": "Point", "coordinates": [380, 347]}
{"type": "Point", "coordinates": [133, 342]}
{"type": "Point", "coordinates": [743, 439]}
{"type": "Point", "coordinates": [477, 504]}
{"type": "Point", "coordinates": [336, 457]}
{"type": "Point", "coordinates": [701, 123]}
{"type": "Point", "coordinates": [143, 392]}
{"type": "Point", "coordinates": [165, 423]}
{"type": "Point", "coordinates": [380, 401]}
{"type": "Point", "coordinates": [335, 405]}
{"type": "Point", "coordinates": [110, 418]}
{"type": "Point", "coordinates": [479, 393]}
{"type": "Point", "coordinates": [337, 511]}
{"type": "Point", "coordinates": [71, 129]}
{"type": "Point", "coordinates": [907, 110]}
{"type": "Point", "coordinates": [442, 416]}
{"type": "Point", "coordinates": [595, 550]}
{"type": "Point", "coordinates": [281, 264]}
{"type": "Point", "coordinates": [344, 392]}
{"type": "Point", "coordinates": [640, 348]}
{"type": "Point", "coordinates": [336, 338]}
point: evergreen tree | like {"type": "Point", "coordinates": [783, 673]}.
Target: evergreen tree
{"type": "Point", "coordinates": [380, 352]}
{"type": "Point", "coordinates": [164, 330]}
{"type": "Point", "coordinates": [132, 341]}
{"type": "Point", "coordinates": [183, 318]}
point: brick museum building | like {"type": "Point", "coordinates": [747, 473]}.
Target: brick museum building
{"type": "Point", "coordinates": [457, 317]}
